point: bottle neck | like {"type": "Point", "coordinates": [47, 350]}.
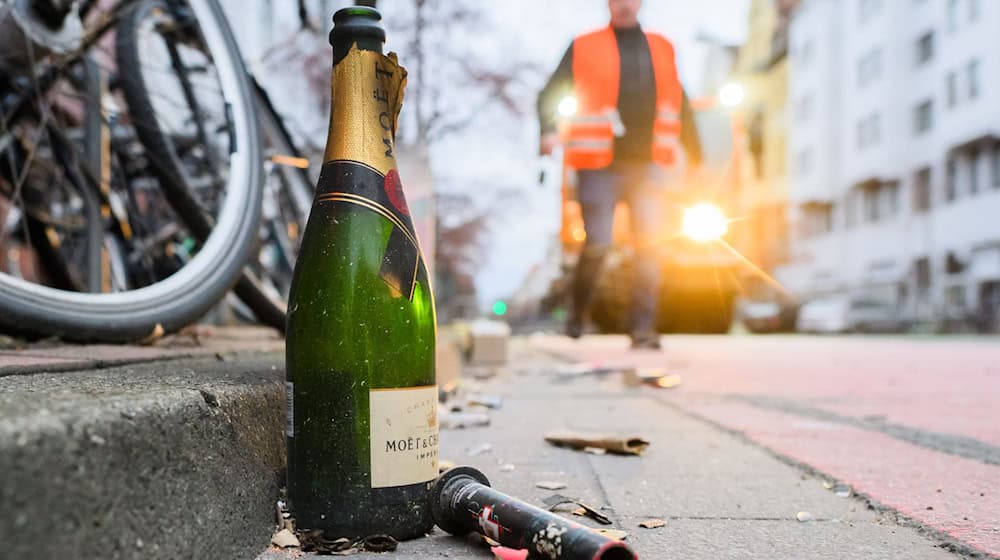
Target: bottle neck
{"type": "Point", "coordinates": [366, 94]}
{"type": "Point", "coordinates": [356, 26]}
{"type": "Point", "coordinates": [342, 46]}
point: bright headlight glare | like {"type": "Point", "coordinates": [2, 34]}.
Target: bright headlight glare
{"type": "Point", "coordinates": [568, 106]}
{"type": "Point", "coordinates": [704, 222]}
{"type": "Point", "coordinates": [731, 94]}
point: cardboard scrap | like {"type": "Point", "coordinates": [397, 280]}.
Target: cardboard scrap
{"type": "Point", "coordinates": [612, 443]}
{"type": "Point", "coordinates": [285, 539]}
{"type": "Point", "coordinates": [555, 500]}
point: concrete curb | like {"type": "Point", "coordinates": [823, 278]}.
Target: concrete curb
{"type": "Point", "coordinates": [176, 459]}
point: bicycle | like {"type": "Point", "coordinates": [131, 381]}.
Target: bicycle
{"type": "Point", "coordinates": [85, 191]}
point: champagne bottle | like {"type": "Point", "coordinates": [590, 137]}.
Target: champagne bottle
{"type": "Point", "coordinates": [362, 430]}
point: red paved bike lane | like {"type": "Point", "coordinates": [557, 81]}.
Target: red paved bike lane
{"type": "Point", "coordinates": [912, 423]}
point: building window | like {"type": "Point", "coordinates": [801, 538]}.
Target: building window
{"type": "Point", "coordinates": [817, 219]}
{"type": "Point", "coordinates": [869, 67]}
{"type": "Point", "coordinates": [952, 86]}
{"type": "Point", "coordinates": [804, 54]}
{"type": "Point", "coordinates": [973, 10]}
{"type": "Point", "coordinates": [826, 223]}
{"type": "Point", "coordinates": [867, 9]}
{"type": "Point", "coordinates": [922, 270]}
{"type": "Point", "coordinates": [973, 71]}
{"type": "Point", "coordinates": [952, 15]}
{"type": "Point", "coordinates": [925, 48]}
{"type": "Point", "coordinates": [889, 199]}
{"type": "Point", "coordinates": [923, 117]}
{"type": "Point", "coordinates": [922, 190]}
{"type": "Point", "coordinates": [950, 180]}
{"type": "Point", "coordinates": [869, 204]}
{"type": "Point", "coordinates": [869, 131]}
{"type": "Point", "coordinates": [803, 162]}
{"type": "Point", "coordinates": [803, 109]}
{"type": "Point", "coordinates": [850, 210]}
{"type": "Point", "coordinates": [973, 171]}
{"type": "Point", "coordinates": [880, 201]}
{"type": "Point", "coordinates": [995, 165]}
{"type": "Point", "coordinates": [954, 298]}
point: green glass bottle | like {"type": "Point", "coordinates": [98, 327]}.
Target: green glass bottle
{"type": "Point", "coordinates": [362, 400]}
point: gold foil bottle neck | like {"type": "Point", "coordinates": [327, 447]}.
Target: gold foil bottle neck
{"type": "Point", "coordinates": [366, 96]}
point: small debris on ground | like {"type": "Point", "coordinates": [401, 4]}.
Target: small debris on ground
{"type": "Point", "coordinates": [47, 342]}
{"type": "Point", "coordinates": [550, 485]}
{"type": "Point", "coordinates": [804, 516]}
{"type": "Point", "coordinates": [481, 373]}
{"type": "Point", "coordinates": [461, 420]}
{"type": "Point", "coordinates": [314, 541]}
{"type": "Point", "coordinates": [653, 524]}
{"type": "Point", "coordinates": [503, 553]}
{"type": "Point", "coordinates": [152, 337]}
{"type": "Point", "coordinates": [10, 343]}
{"type": "Point", "coordinates": [554, 501]}
{"type": "Point", "coordinates": [839, 490]}
{"type": "Point", "coordinates": [485, 401]}
{"type": "Point", "coordinates": [480, 449]}
{"type": "Point", "coordinates": [585, 368]}
{"type": "Point", "coordinates": [667, 381]}
{"type": "Point", "coordinates": [655, 377]}
{"type": "Point", "coordinates": [508, 467]}
{"type": "Point", "coordinates": [380, 543]}
{"type": "Point", "coordinates": [483, 539]}
{"type": "Point", "coordinates": [285, 539]}
{"type": "Point", "coordinates": [284, 517]}
{"type": "Point", "coordinates": [618, 444]}
{"type": "Point", "coordinates": [616, 534]}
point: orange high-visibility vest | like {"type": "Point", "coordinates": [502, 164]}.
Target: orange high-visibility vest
{"type": "Point", "coordinates": [589, 135]}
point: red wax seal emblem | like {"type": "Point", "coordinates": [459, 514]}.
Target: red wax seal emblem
{"type": "Point", "coordinates": [394, 190]}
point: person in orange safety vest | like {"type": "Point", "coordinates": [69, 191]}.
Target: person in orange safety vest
{"type": "Point", "coordinates": [631, 124]}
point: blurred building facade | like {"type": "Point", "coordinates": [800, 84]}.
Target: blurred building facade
{"type": "Point", "coordinates": [761, 67]}
{"type": "Point", "coordinates": [894, 153]}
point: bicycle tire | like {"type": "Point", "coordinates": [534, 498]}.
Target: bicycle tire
{"type": "Point", "coordinates": [301, 192]}
{"type": "Point", "coordinates": [186, 295]}
{"type": "Point", "coordinates": [166, 163]}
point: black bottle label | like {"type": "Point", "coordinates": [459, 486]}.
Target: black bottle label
{"type": "Point", "coordinates": [365, 187]}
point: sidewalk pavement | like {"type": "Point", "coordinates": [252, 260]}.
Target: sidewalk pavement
{"type": "Point", "coordinates": [720, 495]}
{"type": "Point", "coordinates": [180, 457]}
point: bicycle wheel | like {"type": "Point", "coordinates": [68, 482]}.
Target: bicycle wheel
{"type": "Point", "coordinates": [263, 287]}
{"type": "Point", "coordinates": [288, 195]}
{"type": "Point", "coordinates": [206, 271]}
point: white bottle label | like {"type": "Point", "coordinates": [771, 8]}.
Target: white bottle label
{"type": "Point", "coordinates": [404, 435]}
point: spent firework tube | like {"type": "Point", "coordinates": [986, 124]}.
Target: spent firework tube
{"type": "Point", "coordinates": [463, 502]}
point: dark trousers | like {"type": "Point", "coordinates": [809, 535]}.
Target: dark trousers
{"type": "Point", "coordinates": [599, 191]}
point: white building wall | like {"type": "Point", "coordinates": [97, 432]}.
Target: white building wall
{"type": "Point", "coordinates": [879, 257]}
